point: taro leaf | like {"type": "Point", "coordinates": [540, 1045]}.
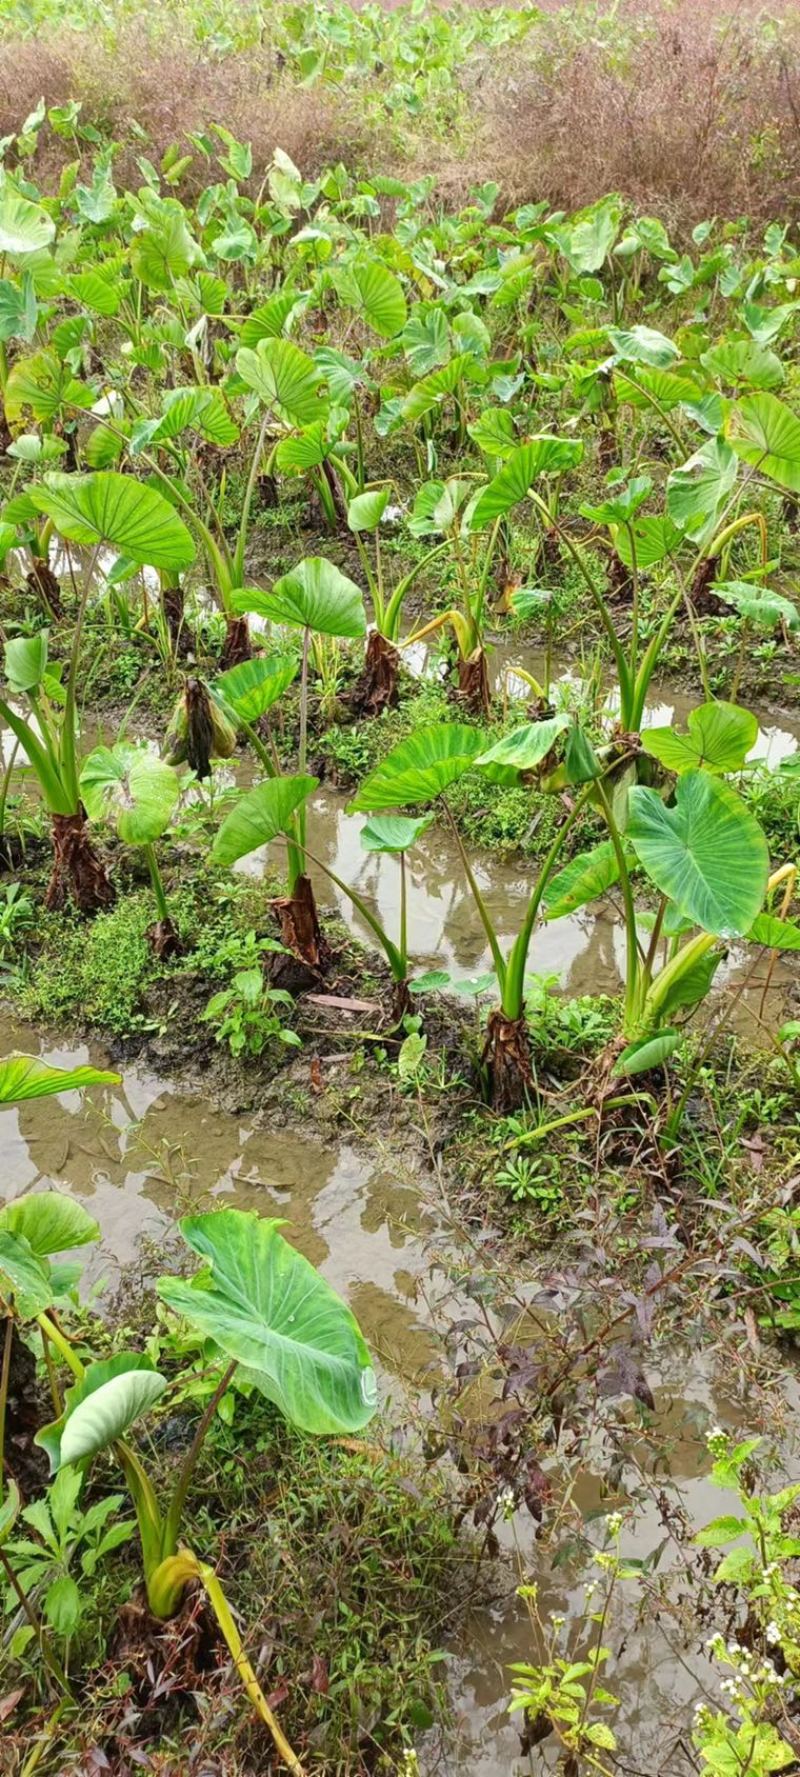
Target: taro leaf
{"type": "Point", "coordinates": [365, 511]}
{"type": "Point", "coordinates": [649, 1052]}
{"type": "Point", "coordinates": [314, 594]}
{"type": "Point", "coordinates": [765, 432]}
{"type": "Point", "coordinates": [690, 984]}
{"type": "Point", "coordinates": [743, 361]}
{"type": "Point", "coordinates": [420, 768]}
{"type": "Point", "coordinates": [24, 227]}
{"type": "Point", "coordinates": [24, 1276]}
{"type": "Point", "coordinates": [720, 736]}
{"type": "Point", "coordinates": [581, 880]}
{"type": "Point", "coordinates": [580, 759]}
{"type": "Point", "coordinates": [266, 1307]}
{"type": "Point", "coordinates": [707, 853]}
{"type": "Point", "coordinates": [259, 816]}
{"type": "Point", "coordinates": [393, 832]}
{"type": "Point", "coordinates": [49, 1221]}
{"type": "Point", "coordinates": [758, 604]}
{"type": "Point", "coordinates": [284, 378]}
{"type": "Point", "coordinates": [26, 1076]}
{"type": "Point", "coordinates": [10, 1503]}
{"type": "Point", "coordinates": [133, 788]}
{"type": "Point", "coordinates": [432, 982]}
{"type": "Point", "coordinates": [698, 490]}
{"type": "Point", "coordinates": [111, 508]}
{"type": "Point", "coordinates": [643, 345]}
{"type": "Point", "coordinates": [526, 747]}
{"type": "Point", "coordinates": [108, 1399]}
{"type": "Point", "coordinates": [46, 386]}
{"type": "Point", "coordinates": [375, 294]}
{"type": "Point", "coordinates": [26, 661]}
{"type": "Point", "coordinates": [431, 391]}
{"type": "Point", "coordinates": [587, 239]}
{"type": "Point", "coordinates": [774, 933]}
{"type": "Point", "coordinates": [304, 451]}
{"type": "Point", "coordinates": [541, 454]}
{"type": "Point", "coordinates": [249, 690]}
{"type": "Point", "coordinates": [654, 537]}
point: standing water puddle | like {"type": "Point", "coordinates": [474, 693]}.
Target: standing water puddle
{"type": "Point", "coordinates": [141, 1153]}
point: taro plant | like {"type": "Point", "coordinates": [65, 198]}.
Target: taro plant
{"type": "Point", "coordinates": [89, 510]}
{"type": "Point", "coordinates": [318, 600]}
{"type": "Point", "coordinates": [377, 687]}
{"type": "Point", "coordinates": [705, 853]}
{"type": "Point", "coordinates": [137, 791]}
{"type": "Point", "coordinates": [260, 1305]}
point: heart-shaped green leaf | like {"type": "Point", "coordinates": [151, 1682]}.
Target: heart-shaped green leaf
{"type": "Point", "coordinates": [720, 736]}
{"type": "Point", "coordinates": [116, 509]}
{"type": "Point", "coordinates": [132, 787]}
{"type": "Point", "coordinates": [285, 379]}
{"type": "Point", "coordinates": [25, 1076]}
{"type": "Point", "coordinates": [581, 880]}
{"type": "Point", "coordinates": [249, 690]}
{"type": "Point", "coordinates": [707, 853]}
{"type": "Point", "coordinates": [315, 595]}
{"type": "Point", "coordinates": [540, 455]}
{"type": "Point", "coordinates": [393, 832]}
{"type": "Point", "coordinates": [526, 747]}
{"type": "Point", "coordinates": [266, 1307]}
{"type": "Point", "coordinates": [49, 1221]}
{"type": "Point", "coordinates": [765, 432]}
{"type": "Point", "coordinates": [259, 816]}
{"type": "Point", "coordinates": [101, 1407]}
{"type": "Point", "coordinates": [420, 768]}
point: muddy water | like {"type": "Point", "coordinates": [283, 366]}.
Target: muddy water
{"type": "Point", "coordinates": [141, 1153]}
{"type": "Point", "coordinates": [583, 953]}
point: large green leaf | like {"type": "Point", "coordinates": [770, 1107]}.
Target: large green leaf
{"type": "Point", "coordinates": [25, 659]}
{"type": "Point", "coordinates": [49, 1221]}
{"type": "Point", "coordinates": [109, 508]}
{"type": "Point", "coordinates": [707, 853]}
{"type": "Point", "coordinates": [10, 1503]}
{"type": "Point", "coordinates": [720, 736]}
{"type": "Point", "coordinates": [259, 816]}
{"type": "Point", "coordinates": [758, 604]}
{"type": "Point", "coordinates": [25, 1076]}
{"type": "Point", "coordinates": [101, 1407]}
{"type": "Point", "coordinates": [46, 386]}
{"type": "Point", "coordinates": [581, 880]}
{"type": "Point", "coordinates": [587, 239]}
{"type": "Point", "coordinates": [432, 390]}
{"type": "Point", "coordinates": [393, 832]}
{"type": "Point", "coordinates": [24, 227]}
{"type": "Point", "coordinates": [376, 295]}
{"type": "Point", "coordinates": [526, 747]}
{"type": "Point", "coordinates": [699, 489]}
{"type": "Point", "coordinates": [774, 933]}
{"type": "Point", "coordinates": [24, 1276]}
{"type": "Point", "coordinates": [284, 378]}
{"type": "Point", "coordinates": [765, 432]}
{"type": "Point", "coordinates": [366, 510]}
{"type": "Point", "coordinates": [541, 454]}
{"type": "Point", "coordinates": [266, 1307]}
{"type": "Point", "coordinates": [133, 788]}
{"type": "Point", "coordinates": [647, 1053]}
{"type": "Point", "coordinates": [643, 345]}
{"type": "Point", "coordinates": [743, 361]}
{"type": "Point", "coordinates": [249, 690]}
{"type": "Point", "coordinates": [420, 768]}
{"type": "Point", "coordinates": [314, 594]}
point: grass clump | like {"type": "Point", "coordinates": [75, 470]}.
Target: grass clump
{"type": "Point", "coordinates": [92, 973]}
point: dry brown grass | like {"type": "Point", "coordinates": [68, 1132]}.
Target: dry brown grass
{"type": "Point", "coordinates": [691, 108]}
{"type": "Point", "coordinates": [167, 92]}
{"type": "Point", "coordinates": [701, 117]}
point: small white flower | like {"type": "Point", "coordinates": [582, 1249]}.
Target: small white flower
{"type": "Point", "coordinates": [614, 1523]}
{"type": "Point", "coordinates": [772, 1633]}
